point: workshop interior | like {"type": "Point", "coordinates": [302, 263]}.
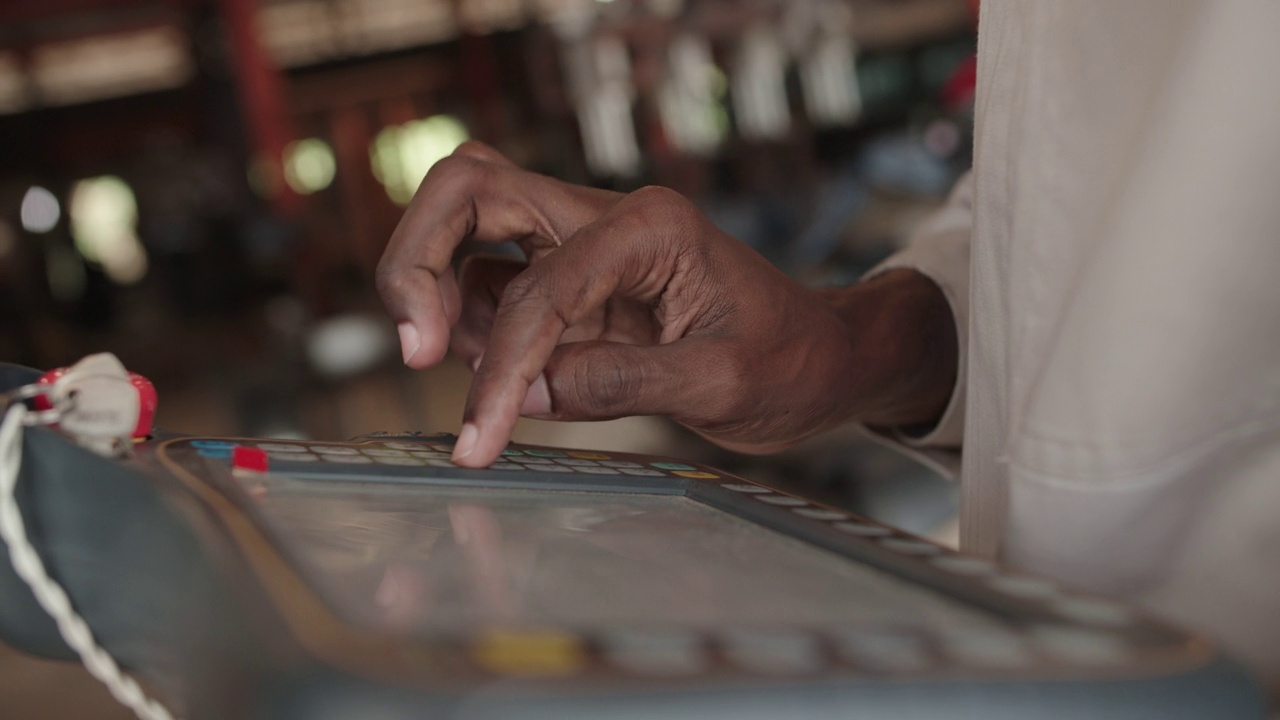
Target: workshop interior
{"type": "Point", "coordinates": [194, 195]}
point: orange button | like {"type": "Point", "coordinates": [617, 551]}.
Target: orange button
{"type": "Point", "coordinates": [695, 475]}
{"type": "Point", "coordinates": [540, 653]}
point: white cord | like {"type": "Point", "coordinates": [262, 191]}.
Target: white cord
{"type": "Point", "coordinates": [26, 562]}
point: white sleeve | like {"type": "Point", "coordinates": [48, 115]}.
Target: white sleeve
{"type": "Point", "coordinates": [939, 249]}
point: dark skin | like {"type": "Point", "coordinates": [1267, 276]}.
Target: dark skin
{"type": "Point", "coordinates": [635, 304]}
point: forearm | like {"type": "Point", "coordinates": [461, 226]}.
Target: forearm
{"type": "Point", "coordinates": [905, 349]}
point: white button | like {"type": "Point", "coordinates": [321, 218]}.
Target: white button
{"type": "Point", "coordinates": [438, 447]}
{"type": "Point", "coordinates": [781, 653]}
{"type": "Point", "coordinates": [575, 462]}
{"type": "Point", "coordinates": [406, 461]}
{"type": "Point", "coordinates": [349, 459]}
{"type": "Point", "coordinates": [431, 455]}
{"type": "Point", "coordinates": [1092, 612]}
{"type": "Point", "coordinates": [643, 473]}
{"type": "Point", "coordinates": [334, 450]}
{"type": "Point", "coordinates": [376, 452]}
{"type": "Point", "coordinates": [662, 653]}
{"type": "Point", "coordinates": [962, 565]}
{"type": "Point", "coordinates": [620, 464]}
{"type": "Point", "coordinates": [820, 514]}
{"type": "Point", "coordinates": [750, 489]}
{"type": "Point", "coordinates": [293, 457]}
{"type": "Point", "coordinates": [281, 448]}
{"type": "Point", "coordinates": [862, 529]}
{"type": "Point", "coordinates": [986, 648]}
{"type": "Point", "coordinates": [1020, 586]}
{"type": "Point", "coordinates": [403, 446]}
{"type": "Point", "coordinates": [1077, 645]}
{"type": "Point", "coordinates": [884, 650]}
{"type": "Point", "coordinates": [440, 464]}
{"type": "Point", "coordinates": [781, 500]}
{"type": "Point", "coordinates": [598, 470]}
{"type": "Point", "coordinates": [910, 547]}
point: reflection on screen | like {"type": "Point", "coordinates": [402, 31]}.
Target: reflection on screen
{"type": "Point", "coordinates": [419, 558]}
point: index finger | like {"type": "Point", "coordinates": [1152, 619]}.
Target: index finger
{"type": "Point", "coordinates": [477, 194]}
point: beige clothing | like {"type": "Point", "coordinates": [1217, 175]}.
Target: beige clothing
{"type": "Point", "coordinates": [1114, 264]}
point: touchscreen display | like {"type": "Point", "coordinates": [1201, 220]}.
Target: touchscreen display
{"type": "Point", "coordinates": [421, 558]}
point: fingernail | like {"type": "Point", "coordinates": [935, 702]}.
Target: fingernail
{"type": "Point", "coordinates": [538, 400]}
{"type": "Point", "coordinates": [466, 441]}
{"type": "Point", "coordinates": [410, 341]}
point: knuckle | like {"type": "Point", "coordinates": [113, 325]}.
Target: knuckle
{"type": "Point", "coordinates": [455, 172]}
{"type": "Point", "coordinates": [605, 383]}
{"type": "Point", "coordinates": [526, 289]}
{"type": "Point", "coordinates": [392, 280]}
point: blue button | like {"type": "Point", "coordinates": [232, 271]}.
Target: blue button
{"type": "Point", "coordinates": [215, 453]}
{"type": "Point", "coordinates": [544, 453]}
{"type": "Point", "coordinates": [672, 466]}
{"type": "Point", "coordinates": [213, 444]}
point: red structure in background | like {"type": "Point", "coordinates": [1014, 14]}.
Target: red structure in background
{"type": "Point", "coordinates": [261, 89]}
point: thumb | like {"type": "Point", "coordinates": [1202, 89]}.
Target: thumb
{"type": "Point", "coordinates": [606, 380]}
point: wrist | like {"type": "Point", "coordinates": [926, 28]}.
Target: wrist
{"type": "Point", "coordinates": [904, 346]}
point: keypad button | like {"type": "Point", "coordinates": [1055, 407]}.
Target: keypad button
{"type": "Point", "coordinates": [441, 447]}
{"type": "Point", "coordinates": [1078, 645]}
{"type": "Point", "coordinates": [696, 475]}
{"type": "Point", "coordinates": [884, 650]}
{"type": "Point", "coordinates": [781, 500]}
{"type": "Point", "coordinates": [375, 452]}
{"type": "Point", "coordinates": [862, 529]}
{"type": "Point", "coordinates": [986, 648]}
{"type": "Point", "coordinates": [661, 653]}
{"type": "Point", "coordinates": [963, 565]}
{"type": "Point", "coordinates": [348, 459]}
{"type": "Point", "coordinates": [587, 455]}
{"type": "Point", "coordinates": [214, 453]}
{"type": "Point", "coordinates": [531, 653]}
{"type": "Point", "coordinates": [620, 464]}
{"type": "Point", "coordinates": [269, 447]}
{"type": "Point", "coordinates": [1027, 588]}
{"type": "Point", "coordinates": [820, 514]}
{"type": "Point", "coordinates": [747, 489]}
{"type": "Point", "coordinates": [1092, 612]}
{"type": "Point", "coordinates": [534, 461]}
{"type": "Point", "coordinates": [404, 446]}
{"type": "Point", "coordinates": [439, 464]}
{"type": "Point", "coordinates": [544, 453]}
{"type": "Point", "coordinates": [598, 471]}
{"type": "Point", "coordinates": [910, 547]}
{"type": "Point", "coordinates": [334, 450]}
{"type": "Point", "coordinates": [774, 653]}
{"type": "Point", "coordinates": [643, 472]}
{"type": "Point", "coordinates": [672, 466]}
{"type": "Point", "coordinates": [402, 461]}
{"type": "Point", "coordinates": [430, 455]}
{"type": "Point", "coordinates": [512, 453]}
{"type": "Point", "coordinates": [574, 462]}
{"type": "Point", "coordinates": [294, 457]}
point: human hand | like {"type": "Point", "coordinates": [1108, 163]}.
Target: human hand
{"type": "Point", "coordinates": [638, 305]}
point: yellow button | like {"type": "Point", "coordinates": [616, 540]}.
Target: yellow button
{"type": "Point", "coordinates": [588, 455]}
{"type": "Point", "coordinates": [696, 475]}
{"type": "Point", "coordinates": [529, 653]}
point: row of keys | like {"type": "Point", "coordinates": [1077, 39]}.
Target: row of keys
{"type": "Point", "coordinates": [437, 455]}
{"type": "Point", "coordinates": [676, 653]}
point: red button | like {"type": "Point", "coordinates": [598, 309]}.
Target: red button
{"type": "Point", "coordinates": [249, 458]}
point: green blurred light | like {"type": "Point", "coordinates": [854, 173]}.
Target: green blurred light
{"type": "Point", "coordinates": [309, 166]}
{"type": "Point", "coordinates": [402, 155]}
{"type": "Point", "coordinates": [104, 221]}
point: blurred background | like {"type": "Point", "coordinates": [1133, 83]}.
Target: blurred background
{"type": "Point", "coordinates": [204, 187]}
